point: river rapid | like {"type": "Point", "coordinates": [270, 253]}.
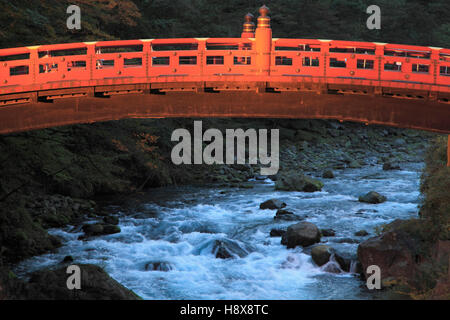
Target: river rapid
{"type": "Point", "coordinates": [166, 249]}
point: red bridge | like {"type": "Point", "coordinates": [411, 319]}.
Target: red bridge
{"type": "Point", "coordinates": [251, 76]}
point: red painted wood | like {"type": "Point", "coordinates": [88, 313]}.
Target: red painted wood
{"type": "Point", "coordinates": [98, 68]}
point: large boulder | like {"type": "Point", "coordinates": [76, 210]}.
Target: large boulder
{"type": "Point", "coordinates": [96, 284]}
{"type": "Point", "coordinates": [372, 197]}
{"type": "Point", "coordinates": [321, 254]}
{"type": "Point", "coordinates": [409, 258]}
{"type": "Point", "coordinates": [394, 251]}
{"type": "Point", "coordinates": [301, 234]}
{"type": "Point", "coordinates": [296, 181]}
{"type": "Point", "coordinates": [272, 204]}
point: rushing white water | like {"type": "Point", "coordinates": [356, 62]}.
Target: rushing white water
{"type": "Point", "coordinates": [177, 228]}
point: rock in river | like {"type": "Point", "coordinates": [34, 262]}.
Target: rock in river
{"type": "Point", "coordinates": [327, 232]}
{"type": "Point", "coordinates": [286, 215]}
{"type": "Point", "coordinates": [321, 254]}
{"type": "Point", "coordinates": [301, 234]}
{"type": "Point", "coordinates": [67, 259]}
{"type": "Point", "coordinates": [272, 204]}
{"type": "Point", "coordinates": [328, 174]}
{"type": "Point", "coordinates": [96, 284]}
{"type": "Point", "coordinates": [277, 232]}
{"type": "Point", "coordinates": [372, 197]}
{"type": "Point", "coordinates": [224, 249]}
{"type": "Point", "coordinates": [296, 181]}
{"type": "Point", "coordinates": [394, 251]}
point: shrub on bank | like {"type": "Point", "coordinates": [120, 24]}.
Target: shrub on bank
{"type": "Point", "coordinates": [435, 187]}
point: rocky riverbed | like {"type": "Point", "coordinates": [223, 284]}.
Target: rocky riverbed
{"type": "Point", "coordinates": [315, 150]}
{"type": "Point", "coordinates": [215, 242]}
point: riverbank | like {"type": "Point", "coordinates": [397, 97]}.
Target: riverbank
{"type": "Point", "coordinates": [414, 254]}
{"type": "Point", "coordinates": [55, 177]}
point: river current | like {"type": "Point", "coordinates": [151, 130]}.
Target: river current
{"type": "Point", "coordinates": [175, 232]}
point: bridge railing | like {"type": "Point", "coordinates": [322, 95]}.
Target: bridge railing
{"type": "Point", "coordinates": [352, 60]}
{"type": "Point", "coordinates": [174, 57]}
{"type": "Point", "coordinates": [225, 57]}
{"type": "Point", "coordinates": [61, 63]}
{"type": "Point", "coordinates": [408, 64]}
{"type": "Point", "coordinates": [443, 67]}
{"type": "Point", "coordinates": [296, 57]}
{"type": "Point", "coordinates": [15, 67]}
{"type": "Point", "coordinates": [215, 59]}
{"type": "Point", "coordinates": [118, 59]}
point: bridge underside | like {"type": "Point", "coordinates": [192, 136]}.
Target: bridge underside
{"type": "Point", "coordinates": [28, 111]}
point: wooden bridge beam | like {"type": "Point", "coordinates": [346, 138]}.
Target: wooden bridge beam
{"type": "Point", "coordinates": [59, 109]}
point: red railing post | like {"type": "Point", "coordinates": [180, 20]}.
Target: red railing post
{"type": "Point", "coordinates": [201, 58]}
{"type": "Point", "coordinates": [379, 53]}
{"type": "Point", "coordinates": [434, 64]}
{"type": "Point", "coordinates": [90, 59]}
{"type": "Point", "coordinates": [263, 42]}
{"type": "Point", "coordinates": [248, 30]}
{"type": "Point", "coordinates": [34, 64]}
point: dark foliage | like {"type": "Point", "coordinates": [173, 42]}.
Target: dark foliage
{"type": "Point", "coordinates": [27, 22]}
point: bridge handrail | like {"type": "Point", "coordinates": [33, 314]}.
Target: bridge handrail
{"type": "Point", "coordinates": [207, 59]}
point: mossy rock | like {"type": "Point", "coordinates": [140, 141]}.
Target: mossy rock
{"type": "Point", "coordinates": [297, 181]}
{"type": "Point", "coordinates": [321, 254]}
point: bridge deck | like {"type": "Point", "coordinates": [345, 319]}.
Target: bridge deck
{"type": "Point", "coordinates": [398, 85]}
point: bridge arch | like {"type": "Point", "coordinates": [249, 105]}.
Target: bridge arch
{"type": "Point", "coordinates": [255, 75]}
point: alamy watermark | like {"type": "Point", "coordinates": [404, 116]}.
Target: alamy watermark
{"type": "Point", "coordinates": [374, 280]}
{"type": "Point", "coordinates": [374, 21]}
{"type": "Point", "coordinates": [191, 151]}
{"type": "Point", "coordinates": [74, 280]}
{"type": "Point", "coordinates": [74, 20]}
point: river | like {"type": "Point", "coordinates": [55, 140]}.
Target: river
{"type": "Point", "coordinates": [176, 228]}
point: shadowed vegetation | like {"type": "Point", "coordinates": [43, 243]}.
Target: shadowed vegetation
{"type": "Point", "coordinates": [27, 22]}
{"type": "Point", "coordinates": [436, 190]}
